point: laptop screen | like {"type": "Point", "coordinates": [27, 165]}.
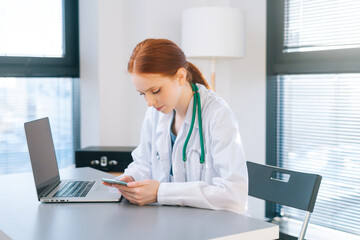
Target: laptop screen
{"type": "Point", "coordinates": [42, 154]}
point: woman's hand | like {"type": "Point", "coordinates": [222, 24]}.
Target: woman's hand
{"type": "Point", "coordinates": [140, 192]}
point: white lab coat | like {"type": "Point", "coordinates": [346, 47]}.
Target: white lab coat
{"type": "Point", "coordinates": [223, 183]}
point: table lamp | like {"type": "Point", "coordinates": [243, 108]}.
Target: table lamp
{"type": "Point", "coordinates": [213, 33]}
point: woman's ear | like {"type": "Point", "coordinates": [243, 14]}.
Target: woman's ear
{"type": "Point", "coordinates": [181, 76]}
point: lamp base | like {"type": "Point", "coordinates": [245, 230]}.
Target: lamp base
{"type": "Point", "coordinates": [213, 63]}
{"type": "Point", "coordinates": [213, 81]}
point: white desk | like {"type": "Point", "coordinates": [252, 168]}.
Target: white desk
{"type": "Point", "coordinates": [23, 217]}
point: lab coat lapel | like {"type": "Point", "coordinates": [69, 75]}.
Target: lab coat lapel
{"type": "Point", "coordinates": [178, 164]}
{"type": "Point", "coordinates": [163, 143]}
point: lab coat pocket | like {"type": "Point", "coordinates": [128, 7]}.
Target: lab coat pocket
{"type": "Point", "coordinates": [205, 169]}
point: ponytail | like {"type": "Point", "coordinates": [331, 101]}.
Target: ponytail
{"type": "Point", "coordinates": [194, 75]}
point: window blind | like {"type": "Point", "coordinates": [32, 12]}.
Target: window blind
{"type": "Point", "coordinates": [26, 99]}
{"type": "Point", "coordinates": [319, 132]}
{"type": "Point", "coordinates": [321, 25]}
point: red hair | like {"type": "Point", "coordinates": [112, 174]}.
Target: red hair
{"type": "Point", "coordinates": [162, 56]}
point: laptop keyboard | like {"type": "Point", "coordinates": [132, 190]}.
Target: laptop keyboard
{"type": "Point", "coordinates": [75, 189]}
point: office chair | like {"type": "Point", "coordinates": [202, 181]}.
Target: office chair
{"type": "Point", "coordinates": [298, 191]}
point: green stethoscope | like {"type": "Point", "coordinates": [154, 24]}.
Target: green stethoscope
{"type": "Point", "coordinates": [196, 103]}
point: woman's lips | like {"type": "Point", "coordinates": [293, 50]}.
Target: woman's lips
{"type": "Point", "coordinates": [159, 108]}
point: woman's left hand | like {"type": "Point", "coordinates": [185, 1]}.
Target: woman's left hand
{"type": "Point", "coordinates": [141, 192]}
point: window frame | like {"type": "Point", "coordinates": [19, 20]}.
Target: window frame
{"type": "Point", "coordinates": [325, 61]}
{"type": "Point", "coordinates": [281, 63]}
{"type": "Point", "coordinates": [66, 66]}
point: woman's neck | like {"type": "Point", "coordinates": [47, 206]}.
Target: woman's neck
{"type": "Point", "coordinates": [184, 100]}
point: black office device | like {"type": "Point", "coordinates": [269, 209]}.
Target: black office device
{"type": "Point", "coordinates": [109, 159]}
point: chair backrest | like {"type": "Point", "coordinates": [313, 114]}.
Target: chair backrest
{"type": "Point", "coordinates": [300, 191]}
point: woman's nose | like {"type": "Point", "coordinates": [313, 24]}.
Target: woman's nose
{"type": "Point", "coordinates": [150, 100]}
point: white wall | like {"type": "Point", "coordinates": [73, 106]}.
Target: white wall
{"type": "Point", "coordinates": [111, 109]}
{"type": "Point", "coordinates": [89, 80]}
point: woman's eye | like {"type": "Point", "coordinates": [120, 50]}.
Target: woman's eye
{"type": "Point", "coordinates": [157, 91]}
{"type": "Point", "coordinates": [141, 94]}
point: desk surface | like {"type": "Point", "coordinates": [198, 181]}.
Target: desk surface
{"type": "Point", "coordinates": [23, 217]}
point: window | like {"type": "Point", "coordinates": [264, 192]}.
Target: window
{"type": "Point", "coordinates": [39, 69]}
{"type": "Point", "coordinates": [319, 132]}
{"type": "Point", "coordinates": [313, 103]}
{"type": "Point", "coordinates": [321, 25]}
{"type": "Point", "coordinates": [40, 22]}
{"type": "Point", "coordinates": [39, 38]}
{"type": "Point", "coordinates": [24, 99]}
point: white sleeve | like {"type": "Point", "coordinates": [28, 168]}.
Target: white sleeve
{"type": "Point", "coordinates": [140, 168]}
{"type": "Point", "coordinates": [229, 190]}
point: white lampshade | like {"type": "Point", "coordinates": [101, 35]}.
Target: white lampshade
{"type": "Point", "coordinates": [213, 32]}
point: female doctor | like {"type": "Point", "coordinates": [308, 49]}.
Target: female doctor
{"type": "Point", "coordinates": [183, 158]}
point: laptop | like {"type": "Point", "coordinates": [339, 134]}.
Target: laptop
{"type": "Point", "coordinates": [49, 187]}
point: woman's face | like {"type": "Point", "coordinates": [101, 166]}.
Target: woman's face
{"type": "Point", "coordinates": [160, 92]}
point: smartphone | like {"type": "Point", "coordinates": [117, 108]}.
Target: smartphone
{"type": "Point", "coordinates": [113, 181]}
